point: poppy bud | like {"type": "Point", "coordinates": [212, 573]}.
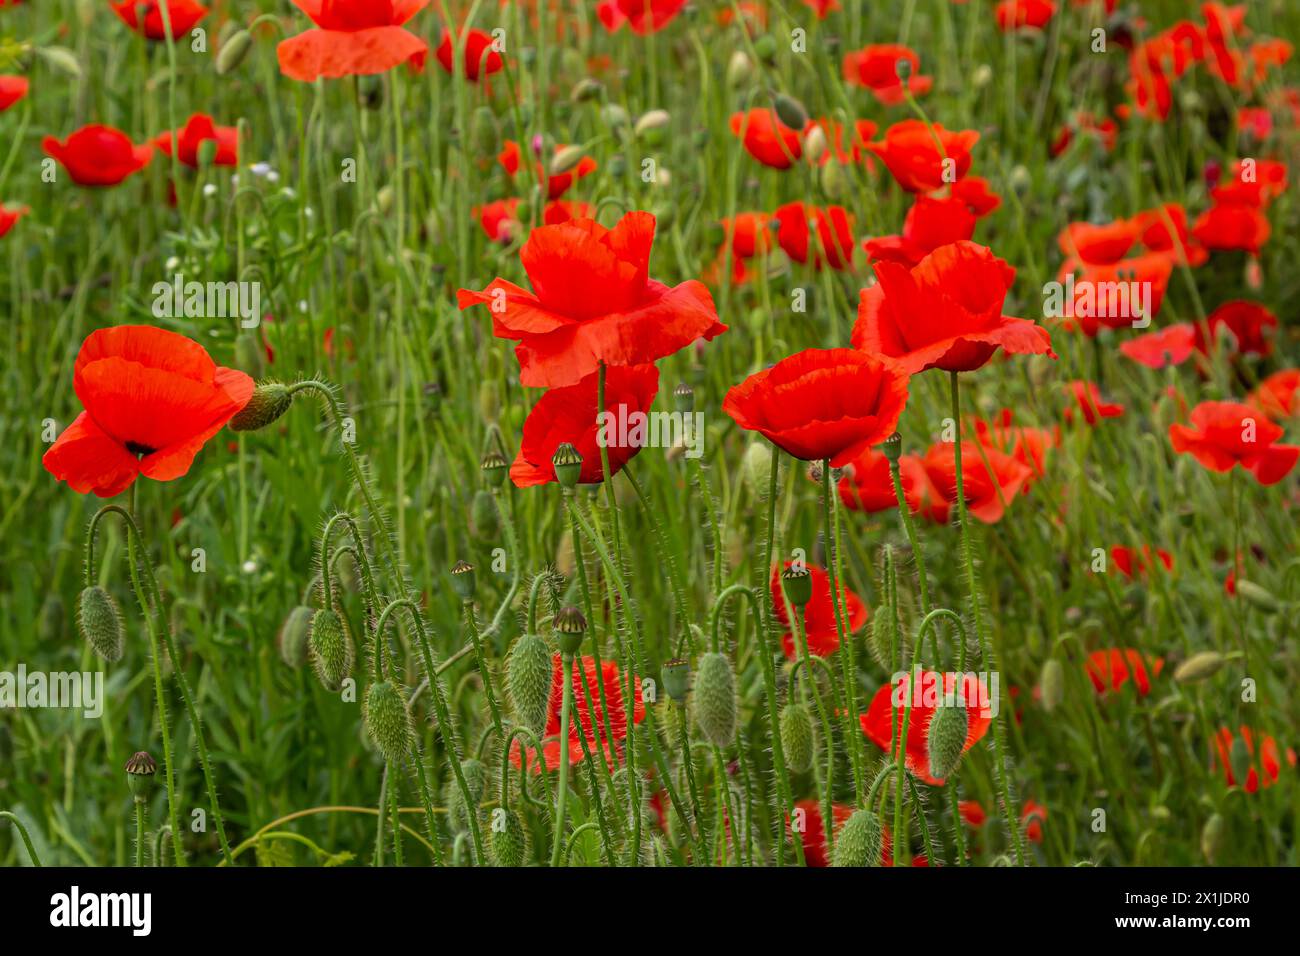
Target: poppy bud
{"type": "Point", "coordinates": [798, 738]}
{"type": "Point", "coordinates": [790, 111]}
{"type": "Point", "coordinates": [1020, 179]}
{"type": "Point", "coordinates": [1051, 685]}
{"type": "Point", "coordinates": [565, 159]}
{"type": "Point", "coordinates": [1198, 667]}
{"type": "Point", "coordinates": [483, 512]}
{"type": "Point", "coordinates": [270, 401]}
{"type": "Point", "coordinates": [903, 68]}
{"type": "Point", "coordinates": [61, 59]}
{"type": "Point", "coordinates": [765, 47]}
{"type": "Point", "coordinates": [207, 153]}
{"type": "Point", "coordinates": [1239, 760]}
{"type": "Point", "coordinates": [99, 620]}
{"type": "Point", "coordinates": [387, 720]}
{"type": "Point", "coordinates": [684, 398]}
{"type": "Point", "coordinates": [528, 682]}
{"type": "Point", "coordinates": [140, 770]}
{"type": "Point", "coordinates": [462, 580]}
{"type": "Point", "coordinates": [52, 618]}
{"type": "Point", "coordinates": [814, 143]}
{"type": "Point", "coordinates": [475, 781]}
{"type": "Point", "coordinates": [652, 125]}
{"type": "Point", "coordinates": [676, 675]}
{"type": "Point", "coordinates": [715, 699]}
{"type": "Point", "coordinates": [569, 626]}
{"type": "Point", "coordinates": [1258, 596]}
{"type": "Point", "coordinates": [833, 181]}
{"type": "Point", "coordinates": [292, 637]}
{"type": "Point", "coordinates": [233, 52]}
{"type": "Point", "coordinates": [384, 200]}
{"type": "Point", "coordinates": [982, 76]}
{"type": "Point", "coordinates": [892, 447]}
{"type": "Point", "coordinates": [755, 467]}
{"type": "Point", "coordinates": [509, 838]}
{"type": "Point", "coordinates": [1212, 837]}
{"type": "Point", "coordinates": [568, 465]}
{"type": "Point", "coordinates": [586, 89]}
{"type": "Point", "coordinates": [881, 620]}
{"type": "Point", "coordinates": [493, 468]}
{"type": "Point", "coordinates": [614, 115]}
{"type": "Point", "coordinates": [331, 647]}
{"type": "Point", "coordinates": [796, 580]}
{"type": "Point", "coordinates": [739, 69]}
{"type": "Point", "coordinates": [859, 841]}
{"type": "Point", "coordinates": [947, 740]}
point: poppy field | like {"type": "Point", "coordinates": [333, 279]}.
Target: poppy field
{"type": "Point", "coordinates": [609, 433]}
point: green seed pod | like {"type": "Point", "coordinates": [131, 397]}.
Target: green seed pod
{"type": "Point", "coordinates": [270, 400]}
{"type": "Point", "coordinates": [859, 841]}
{"type": "Point", "coordinates": [569, 626]}
{"type": "Point", "coordinates": [892, 447]}
{"type": "Point", "coordinates": [765, 47]}
{"type": "Point", "coordinates": [509, 838]}
{"type": "Point", "coordinates": [947, 740]}
{"type": "Point", "coordinates": [233, 52]}
{"type": "Point", "coordinates": [53, 617]}
{"type": "Point", "coordinates": [1212, 837]}
{"type": "Point", "coordinates": [331, 647]}
{"type": "Point", "coordinates": [1258, 596]}
{"type": "Point", "coordinates": [568, 465]}
{"type": "Point", "coordinates": [790, 111]}
{"type": "Point", "coordinates": [1051, 684]}
{"type": "Point", "coordinates": [483, 514]}
{"type": "Point", "coordinates": [493, 468]}
{"type": "Point", "coordinates": [462, 580]}
{"type": "Point", "coordinates": [140, 770]}
{"type": "Point", "coordinates": [715, 699]}
{"type": "Point", "coordinates": [1198, 667]}
{"type": "Point", "coordinates": [387, 720]}
{"type": "Point", "coordinates": [676, 675]}
{"type": "Point", "coordinates": [684, 398]}
{"type": "Point", "coordinates": [100, 622]}
{"type": "Point", "coordinates": [476, 782]}
{"type": "Point", "coordinates": [292, 637]}
{"type": "Point", "coordinates": [528, 682]}
{"type": "Point", "coordinates": [798, 738]}
{"type": "Point", "coordinates": [796, 581]}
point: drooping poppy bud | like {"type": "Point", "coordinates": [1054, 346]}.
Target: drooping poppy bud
{"type": "Point", "coordinates": [331, 647]}
{"type": "Point", "coordinates": [1199, 666]}
{"type": "Point", "coordinates": [528, 682]}
{"type": "Point", "coordinates": [233, 52]}
{"type": "Point", "coordinates": [270, 400]}
{"type": "Point", "coordinates": [99, 620]}
{"type": "Point", "coordinates": [292, 637]}
{"type": "Point", "coordinates": [387, 720]}
{"type": "Point", "coordinates": [458, 812]}
{"type": "Point", "coordinates": [1051, 685]}
{"type": "Point", "coordinates": [798, 738]}
{"type": "Point", "coordinates": [859, 841]}
{"type": "Point", "coordinates": [715, 699]}
{"type": "Point", "coordinates": [509, 838]}
{"type": "Point", "coordinates": [947, 739]}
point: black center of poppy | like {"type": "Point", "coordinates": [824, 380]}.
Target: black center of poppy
{"type": "Point", "coordinates": [136, 448]}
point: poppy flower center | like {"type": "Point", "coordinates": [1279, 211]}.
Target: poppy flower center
{"type": "Point", "coordinates": [139, 450]}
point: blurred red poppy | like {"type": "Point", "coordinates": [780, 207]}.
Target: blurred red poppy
{"type": "Point", "coordinates": [822, 403]}
{"type": "Point", "coordinates": [1135, 563]}
{"type": "Point", "coordinates": [1019, 14]}
{"type": "Point", "coordinates": [152, 398]}
{"type": "Point", "coordinates": [643, 16]}
{"type": "Point", "coordinates": [479, 56]}
{"type": "Point", "coordinates": [812, 833]}
{"type": "Point", "coordinates": [146, 16]}
{"type": "Point", "coordinates": [9, 216]}
{"type": "Point", "coordinates": [98, 155]}
{"type": "Point", "coordinates": [593, 302]}
{"type": "Point", "coordinates": [1225, 228]}
{"type": "Point", "coordinates": [833, 229]}
{"type": "Point", "coordinates": [1267, 759]}
{"type": "Point", "coordinates": [199, 129]}
{"type": "Point", "coordinates": [1092, 407]}
{"type": "Point", "coordinates": [972, 812]}
{"type": "Point", "coordinates": [1032, 817]}
{"type": "Point", "coordinates": [557, 184]}
{"type": "Point", "coordinates": [1278, 396]}
{"type": "Point", "coordinates": [1171, 345]}
{"type": "Point", "coordinates": [12, 89]}
{"type": "Point", "coordinates": [352, 38]}
{"type": "Point", "coordinates": [1110, 669]}
{"type": "Point", "coordinates": [989, 486]}
{"type": "Point", "coordinates": [946, 312]}
{"type": "Point", "coordinates": [1224, 435]}
{"type": "Point", "coordinates": [498, 219]}
{"type": "Point", "coordinates": [884, 717]}
{"type": "Point", "coordinates": [876, 68]}
{"type": "Point", "coordinates": [767, 139]}
{"type": "Point", "coordinates": [1027, 445]}
{"type": "Point", "coordinates": [911, 151]}
{"type": "Point", "coordinates": [1097, 243]}
{"type": "Point", "coordinates": [818, 615]}
{"type": "Point", "coordinates": [1251, 326]}
{"type": "Point", "coordinates": [867, 484]}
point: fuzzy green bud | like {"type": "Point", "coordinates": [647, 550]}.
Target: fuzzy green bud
{"type": "Point", "coordinates": [233, 52]}
{"type": "Point", "coordinates": [1051, 685]}
{"type": "Point", "coordinates": [270, 400]}
{"type": "Point", "coordinates": [509, 838]}
{"type": "Point", "coordinates": [387, 720]}
{"type": "Point", "coordinates": [462, 580]}
{"type": "Point", "coordinates": [715, 699]}
{"type": "Point", "coordinates": [790, 111]}
{"type": "Point", "coordinates": [140, 770]}
{"type": "Point", "coordinates": [947, 740]}
{"type": "Point", "coordinates": [765, 47]}
{"type": "Point", "coordinates": [755, 468]}
{"type": "Point", "coordinates": [1198, 667]}
{"type": "Point", "coordinates": [676, 675]}
{"type": "Point", "coordinates": [331, 647]}
{"type": "Point", "coordinates": [565, 160]}
{"type": "Point", "coordinates": [569, 626]}
{"type": "Point", "coordinates": [1258, 596]}
{"type": "Point", "coordinates": [568, 465]}
{"type": "Point", "coordinates": [291, 640]}
{"type": "Point", "coordinates": [528, 682]}
{"type": "Point", "coordinates": [476, 780]}
{"type": "Point", "coordinates": [859, 841]}
{"type": "Point", "coordinates": [1212, 837]}
{"type": "Point", "coordinates": [99, 620]}
{"type": "Point", "coordinates": [798, 738]}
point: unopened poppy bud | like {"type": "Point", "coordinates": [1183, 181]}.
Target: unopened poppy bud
{"type": "Point", "coordinates": [859, 841]}
{"type": "Point", "coordinates": [651, 125]}
{"type": "Point", "coordinates": [509, 838]}
{"type": "Point", "coordinates": [569, 626]}
{"type": "Point", "coordinates": [331, 647]}
{"type": "Point", "coordinates": [796, 580]}
{"type": "Point", "coordinates": [1198, 667]}
{"type": "Point", "coordinates": [568, 465]}
{"type": "Point", "coordinates": [892, 447]}
{"type": "Point", "coordinates": [790, 111]}
{"type": "Point", "coordinates": [903, 67]}
{"type": "Point", "coordinates": [565, 160]}
{"type": "Point", "coordinates": [684, 398]}
{"type": "Point", "coordinates": [528, 682]}
{"type": "Point", "coordinates": [140, 770]}
{"type": "Point", "coordinates": [586, 89]}
{"type": "Point", "coordinates": [387, 720]}
{"type": "Point", "coordinates": [1051, 685]}
{"type": "Point", "coordinates": [798, 738]}
{"type": "Point", "coordinates": [715, 699]}
{"type": "Point", "coordinates": [739, 69]}
{"type": "Point", "coordinates": [270, 401]}
{"type": "Point", "coordinates": [384, 200]}
{"type": "Point", "coordinates": [755, 468]}
{"type": "Point", "coordinates": [462, 580]}
{"type": "Point", "coordinates": [206, 153]}
{"type": "Point", "coordinates": [233, 52]}
{"type": "Point", "coordinates": [493, 467]}
{"type": "Point", "coordinates": [458, 811]}
{"type": "Point", "coordinates": [982, 76]}
{"type": "Point", "coordinates": [1258, 596]}
{"type": "Point", "coordinates": [291, 640]}
{"type": "Point", "coordinates": [814, 143]}
{"type": "Point", "coordinates": [1239, 760]}
{"type": "Point", "coordinates": [1020, 179]}
{"type": "Point", "coordinates": [765, 47]}
{"type": "Point", "coordinates": [676, 675]}
{"type": "Point", "coordinates": [946, 740]}
{"type": "Point", "coordinates": [99, 620]}
{"type": "Point", "coordinates": [1212, 837]}
{"type": "Point", "coordinates": [614, 115]}
{"type": "Point", "coordinates": [833, 181]}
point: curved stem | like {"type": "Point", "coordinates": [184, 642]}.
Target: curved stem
{"type": "Point", "coordinates": [22, 832]}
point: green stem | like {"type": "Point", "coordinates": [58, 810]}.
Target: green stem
{"type": "Point", "coordinates": [562, 789]}
{"type": "Point", "coordinates": [848, 667]}
{"type": "Point", "coordinates": [22, 832]}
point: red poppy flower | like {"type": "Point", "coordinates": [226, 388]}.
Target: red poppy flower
{"type": "Point", "coordinates": [568, 414]}
{"type": "Point", "coordinates": [9, 217]}
{"type": "Point", "coordinates": [151, 399]}
{"type": "Point", "coordinates": [145, 17]}
{"type": "Point", "coordinates": [1118, 294]}
{"type": "Point", "coordinates": [884, 717]}
{"type": "Point", "coordinates": [593, 302]}
{"type": "Point", "coordinates": [585, 720]}
{"type": "Point", "coordinates": [1134, 563]}
{"type": "Point", "coordinates": [946, 312]}
{"type": "Point", "coordinates": [868, 485]}
{"type": "Point", "coordinates": [1032, 818]}
{"type": "Point", "coordinates": [822, 403]}
{"type": "Point", "coordinates": [12, 89]}
{"type": "Point", "coordinates": [876, 68]}
{"type": "Point", "coordinates": [1164, 229]}
{"type": "Point", "coordinates": [1225, 227]}
{"type": "Point", "coordinates": [977, 194]}
{"type": "Point", "coordinates": [766, 138]}
{"type": "Point", "coordinates": [813, 833]}
{"type": "Point", "coordinates": [1250, 323]}
{"type": "Point", "coordinates": [1110, 669]}
{"type": "Point", "coordinates": [1027, 445]}
{"type": "Point", "coordinates": [989, 487]}
{"type": "Point", "coordinates": [1169, 346]}
{"type": "Point", "coordinates": [748, 233]}
{"type": "Point", "coordinates": [930, 223]}
{"type": "Point", "coordinates": [912, 154]}
{"type": "Point", "coordinates": [1267, 759]}
{"type": "Point", "coordinates": [98, 155]}
{"type": "Point", "coordinates": [1106, 132]}
{"type": "Point", "coordinates": [1096, 244]}
{"type": "Point", "coordinates": [972, 812]}
{"type": "Point", "coordinates": [1278, 396]}
{"type": "Point", "coordinates": [559, 211]}
{"type": "Point", "coordinates": [1019, 14]}
{"type": "Point", "coordinates": [818, 615]}
{"type": "Point", "coordinates": [479, 57]}
{"type": "Point", "coordinates": [822, 7]}
{"type": "Point", "coordinates": [860, 132]}
{"type": "Point", "coordinates": [1091, 405]}
{"type": "Point", "coordinates": [643, 16]}
{"type": "Point", "coordinates": [1226, 434]}
{"type": "Point", "coordinates": [498, 219]}
{"type": "Point", "coordinates": [352, 38]}
{"type": "Point", "coordinates": [558, 184]}
{"type": "Point", "coordinates": [199, 129]}
{"type": "Point", "coordinates": [834, 234]}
